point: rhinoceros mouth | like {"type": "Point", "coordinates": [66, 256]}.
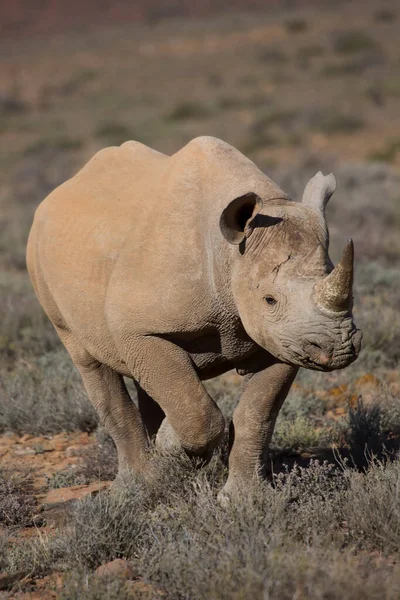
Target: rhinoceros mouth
{"type": "Point", "coordinates": [321, 354]}
{"type": "Point", "coordinates": [334, 363]}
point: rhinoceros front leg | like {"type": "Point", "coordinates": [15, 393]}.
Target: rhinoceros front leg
{"type": "Point", "coordinates": [253, 423]}
{"type": "Point", "coordinates": [151, 413]}
{"type": "Point", "coordinates": [166, 373]}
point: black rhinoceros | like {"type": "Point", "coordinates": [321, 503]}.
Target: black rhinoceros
{"type": "Point", "coordinates": [172, 270]}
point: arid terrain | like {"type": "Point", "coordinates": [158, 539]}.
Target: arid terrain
{"type": "Point", "coordinates": [297, 90]}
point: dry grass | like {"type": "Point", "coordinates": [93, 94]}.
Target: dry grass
{"type": "Point", "coordinates": [309, 532]}
{"type": "Point", "coordinates": [16, 502]}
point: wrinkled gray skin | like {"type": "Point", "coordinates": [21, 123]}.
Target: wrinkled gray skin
{"type": "Point", "coordinates": [172, 270]}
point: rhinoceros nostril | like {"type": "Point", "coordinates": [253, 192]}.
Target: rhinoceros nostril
{"type": "Point", "coordinates": [317, 353]}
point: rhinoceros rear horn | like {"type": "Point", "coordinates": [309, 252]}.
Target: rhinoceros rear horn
{"type": "Point", "coordinates": [235, 221]}
{"type": "Point", "coordinates": [335, 292]}
{"type": "Point", "coordinates": [318, 191]}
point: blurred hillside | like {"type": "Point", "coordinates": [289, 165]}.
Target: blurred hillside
{"type": "Point", "coordinates": [294, 87]}
{"type": "Point", "coordinates": [24, 18]}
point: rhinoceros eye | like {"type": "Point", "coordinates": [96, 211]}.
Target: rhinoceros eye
{"type": "Point", "coordinates": [270, 300]}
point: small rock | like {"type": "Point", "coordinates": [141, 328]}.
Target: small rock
{"type": "Point", "coordinates": [59, 446]}
{"type": "Point", "coordinates": [124, 569]}
{"type": "Point", "coordinates": [24, 452]}
{"type": "Point", "coordinates": [73, 450]}
{"type": "Point", "coordinates": [57, 515]}
{"type": "Point", "coordinates": [74, 492]}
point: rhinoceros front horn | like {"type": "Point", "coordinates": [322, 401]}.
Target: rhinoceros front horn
{"type": "Point", "coordinates": [335, 292]}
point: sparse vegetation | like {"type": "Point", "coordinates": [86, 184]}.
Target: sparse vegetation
{"type": "Point", "coordinates": [331, 122]}
{"type": "Point", "coordinates": [16, 503]}
{"type": "Point", "coordinates": [114, 133]}
{"type": "Point", "coordinates": [298, 434]}
{"type": "Point", "coordinates": [350, 42]}
{"type": "Point", "coordinates": [385, 15]}
{"type": "Point", "coordinates": [311, 51]}
{"type": "Point", "coordinates": [45, 395]}
{"type": "Point", "coordinates": [349, 67]}
{"type": "Point", "coordinates": [99, 461]}
{"type": "Point", "coordinates": [66, 478]}
{"type": "Point", "coordinates": [183, 544]}
{"type": "Point", "coordinates": [272, 55]}
{"type": "Point", "coordinates": [188, 110]}
{"type": "Point", "coordinates": [52, 144]}
{"type": "Point", "coordinates": [388, 153]}
{"type": "Point", "coordinates": [296, 25]}
{"type": "Point", "coordinates": [77, 81]}
{"type": "Point", "coordinates": [259, 141]}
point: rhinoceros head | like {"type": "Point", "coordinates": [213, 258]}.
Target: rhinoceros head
{"type": "Point", "coordinates": [290, 298]}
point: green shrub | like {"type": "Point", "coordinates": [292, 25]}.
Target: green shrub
{"type": "Point", "coordinates": [77, 81]}
{"type": "Point", "coordinates": [349, 42]}
{"type": "Point", "coordinates": [310, 51]}
{"type": "Point", "coordinates": [188, 110]}
{"type": "Point", "coordinates": [388, 153]}
{"type": "Point", "coordinates": [299, 434]}
{"type": "Point", "coordinates": [114, 133]}
{"type": "Point", "coordinates": [332, 122]}
{"type": "Point", "coordinates": [277, 117]}
{"type": "Point", "coordinates": [296, 25]}
{"type": "Point", "coordinates": [385, 15]}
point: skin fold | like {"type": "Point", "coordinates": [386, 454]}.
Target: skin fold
{"type": "Point", "coordinates": [172, 270]}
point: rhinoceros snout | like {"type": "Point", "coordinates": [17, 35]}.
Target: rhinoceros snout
{"type": "Point", "coordinates": [325, 355]}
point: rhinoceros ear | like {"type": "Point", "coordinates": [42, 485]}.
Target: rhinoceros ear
{"type": "Point", "coordinates": [318, 191]}
{"type": "Point", "coordinates": [235, 221]}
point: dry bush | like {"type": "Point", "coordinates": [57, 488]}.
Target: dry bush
{"type": "Point", "coordinates": [79, 586]}
{"type": "Point", "coordinates": [66, 478]}
{"type": "Point", "coordinates": [353, 41]}
{"type": "Point", "coordinates": [99, 461]}
{"type": "Point", "coordinates": [25, 330]}
{"type": "Point", "coordinates": [181, 540]}
{"type": "Point", "coordinates": [373, 507]}
{"type": "Point", "coordinates": [46, 397]}
{"type": "Point", "coordinates": [16, 503]}
{"type": "Point", "coordinates": [300, 536]}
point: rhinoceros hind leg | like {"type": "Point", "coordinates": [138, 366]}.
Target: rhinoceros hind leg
{"type": "Point", "coordinates": [107, 392]}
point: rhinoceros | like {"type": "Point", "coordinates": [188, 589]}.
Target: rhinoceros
{"type": "Point", "coordinates": [171, 270]}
